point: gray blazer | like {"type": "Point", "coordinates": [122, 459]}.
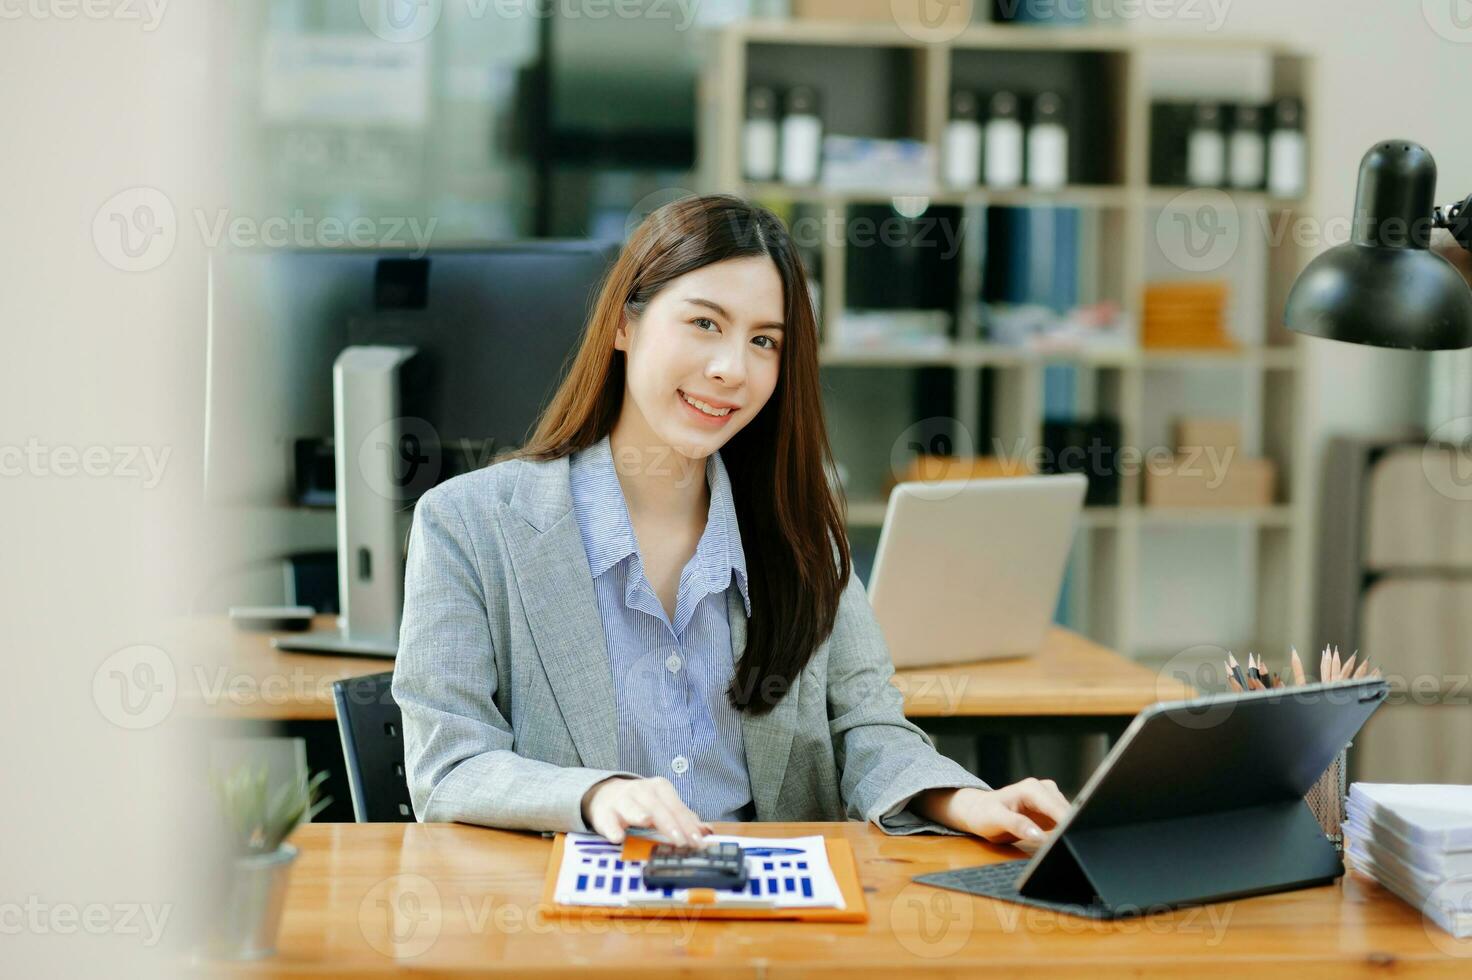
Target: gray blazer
{"type": "Point", "coordinates": [507, 694]}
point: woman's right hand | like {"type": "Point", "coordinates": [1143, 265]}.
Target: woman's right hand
{"type": "Point", "coordinates": [617, 803]}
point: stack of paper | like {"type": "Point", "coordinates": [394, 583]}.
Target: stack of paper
{"type": "Point", "coordinates": [1416, 840]}
{"type": "Point", "coordinates": [782, 872]}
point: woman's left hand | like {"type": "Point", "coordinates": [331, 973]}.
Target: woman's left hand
{"type": "Point", "coordinates": [1023, 811]}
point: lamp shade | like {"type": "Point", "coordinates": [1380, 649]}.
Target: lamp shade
{"type": "Point", "coordinates": [1385, 287]}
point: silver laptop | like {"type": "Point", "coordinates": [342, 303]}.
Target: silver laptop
{"type": "Point", "coordinates": [970, 569]}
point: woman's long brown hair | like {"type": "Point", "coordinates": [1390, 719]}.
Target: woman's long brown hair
{"type": "Point", "coordinates": [791, 518]}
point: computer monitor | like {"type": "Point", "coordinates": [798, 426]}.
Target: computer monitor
{"type": "Point", "coordinates": [416, 367]}
{"type": "Point", "coordinates": [493, 328]}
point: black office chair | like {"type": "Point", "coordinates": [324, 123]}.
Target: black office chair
{"type": "Point", "coordinates": [373, 748]}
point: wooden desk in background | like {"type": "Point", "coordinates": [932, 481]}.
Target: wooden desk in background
{"type": "Point", "coordinates": [1072, 687]}
{"type": "Point", "coordinates": [443, 899]}
{"type": "Point", "coordinates": [1071, 677]}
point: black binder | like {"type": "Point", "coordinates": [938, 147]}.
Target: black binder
{"type": "Point", "coordinates": [1200, 801]}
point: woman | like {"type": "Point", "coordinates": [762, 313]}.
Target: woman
{"type": "Point", "coordinates": [646, 616]}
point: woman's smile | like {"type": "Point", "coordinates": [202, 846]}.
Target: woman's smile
{"type": "Point", "coordinates": [705, 412]}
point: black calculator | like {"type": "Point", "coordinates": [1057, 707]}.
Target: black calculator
{"type": "Point", "coordinates": [716, 866]}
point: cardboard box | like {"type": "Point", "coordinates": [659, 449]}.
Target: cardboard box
{"type": "Point", "coordinates": [1196, 480]}
{"type": "Point", "coordinates": [1218, 434]}
{"type": "Point", "coordinates": [929, 469]}
{"type": "Point", "coordinates": [878, 10]}
{"type": "Point", "coordinates": [842, 10]}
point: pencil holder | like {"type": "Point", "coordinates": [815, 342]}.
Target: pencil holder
{"type": "Point", "coordinates": [1326, 799]}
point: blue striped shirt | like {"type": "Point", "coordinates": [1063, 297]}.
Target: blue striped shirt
{"type": "Point", "coordinates": [669, 679]}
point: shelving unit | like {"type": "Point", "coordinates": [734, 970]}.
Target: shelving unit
{"type": "Point", "coordinates": [878, 81]}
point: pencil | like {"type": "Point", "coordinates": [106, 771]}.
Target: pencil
{"type": "Point", "coordinates": [1347, 671]}
{"type": "Point", "coordinates": [1324, 665]}
{"type": "Point", "coordinates": [1236, 669]}
{"type": "Point", "coordinates": [1297, 665]}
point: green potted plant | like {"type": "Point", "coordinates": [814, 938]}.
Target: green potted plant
{"type": "Point", "coordinates": [258, 819]}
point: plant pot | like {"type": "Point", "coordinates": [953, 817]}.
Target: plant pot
{"type": "Point", "coordinates": [246, 926]}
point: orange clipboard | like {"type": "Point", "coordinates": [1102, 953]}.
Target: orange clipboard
{"type": "Point", "coordinates": [840, 859]}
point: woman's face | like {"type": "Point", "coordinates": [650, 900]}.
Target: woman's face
{"type": "Point", "coordinates": [713, 335]}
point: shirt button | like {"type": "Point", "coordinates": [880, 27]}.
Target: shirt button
{"type": "Point", "coordinates": [679, 764]}
{"type": "Point", "coordinates": [672, 663]}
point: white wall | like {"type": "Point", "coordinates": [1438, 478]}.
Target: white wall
{"type": "Point", "coordinates": [99, 364]}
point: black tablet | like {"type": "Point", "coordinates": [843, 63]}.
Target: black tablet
{"type": "Point", "coordinates": [1199, 801]}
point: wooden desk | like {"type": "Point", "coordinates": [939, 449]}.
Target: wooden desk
{"type": "Point", "coordinates": [1070, 676]}
{"type": "Point", "coordinates": [236, 674]}
{"type": "Point", "coordinates": [449, 899]}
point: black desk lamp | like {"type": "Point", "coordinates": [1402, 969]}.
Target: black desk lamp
{"type": "Point", "coordinates": [1385, 287]}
